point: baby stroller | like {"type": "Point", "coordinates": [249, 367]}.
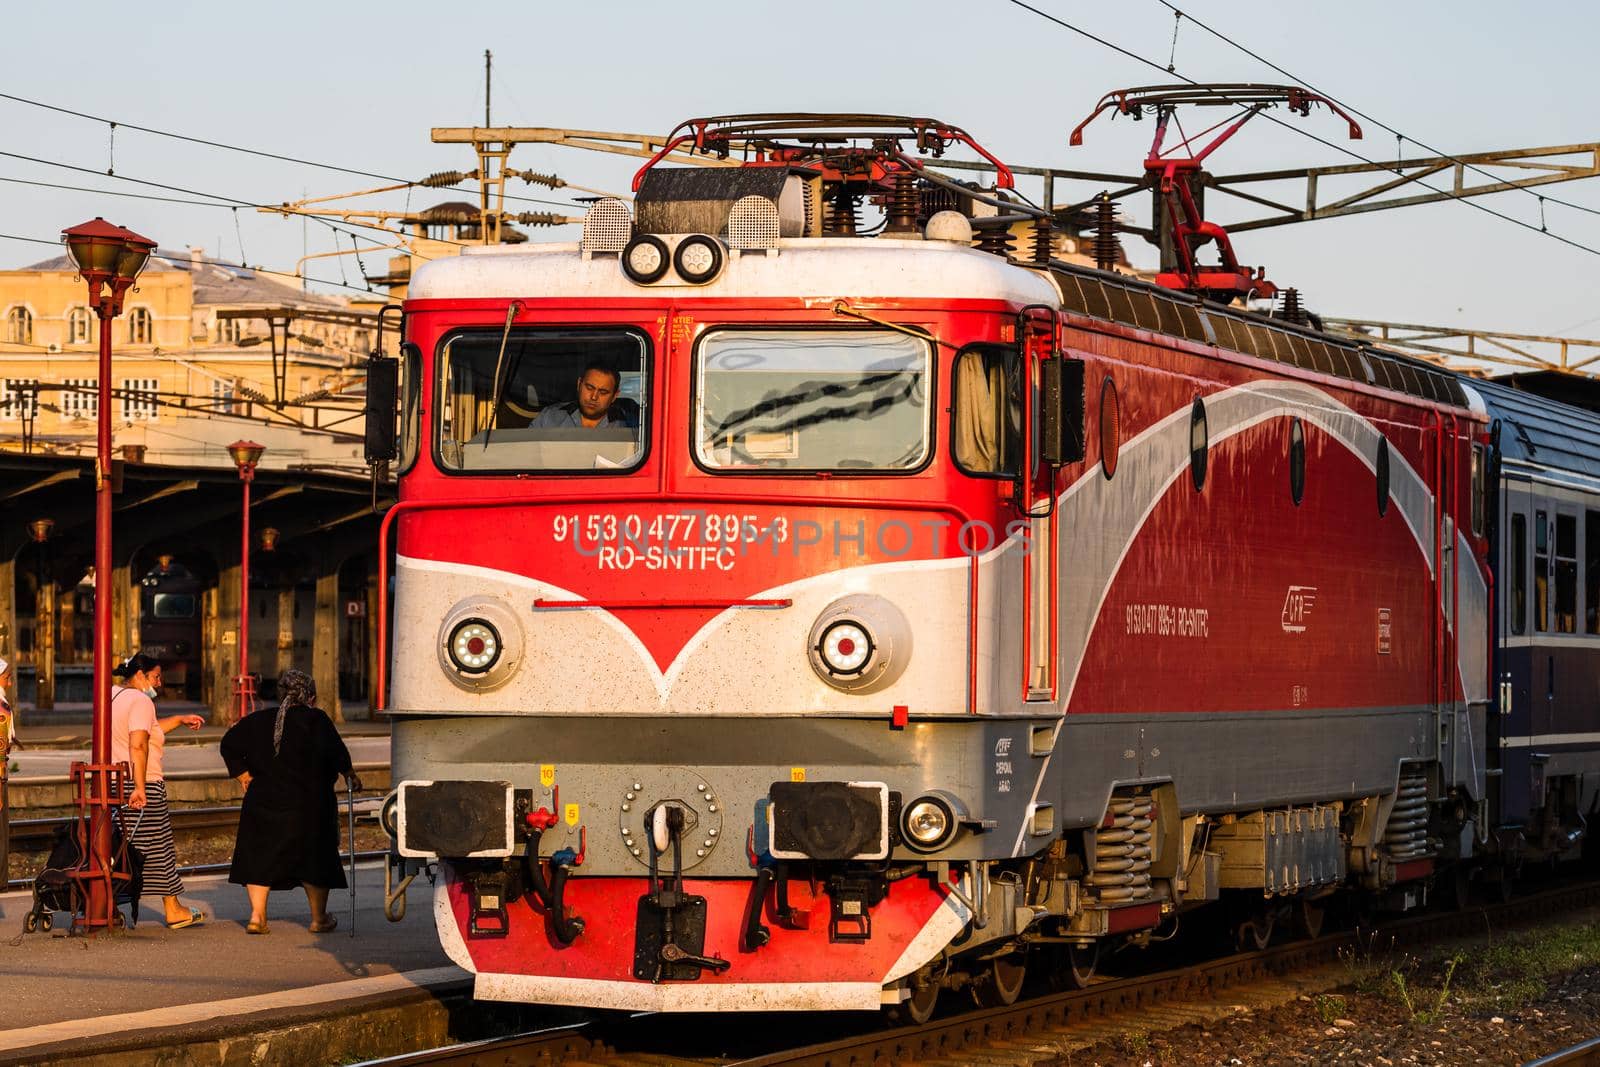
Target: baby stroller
{"type": "Point", "coordinates": [54, 888]}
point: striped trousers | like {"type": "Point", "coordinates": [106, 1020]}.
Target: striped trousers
{"type": "Point", "coordinates": [150, 831]}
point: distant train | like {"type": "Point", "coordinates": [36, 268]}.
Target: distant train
{"type": "Point", "coordinates": [169, 624]}
{"type": "Point", "coordinates": [941, 611]}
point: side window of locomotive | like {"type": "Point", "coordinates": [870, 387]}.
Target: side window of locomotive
{"type": "Point", "coordinates": [1480, 489]}
{"type": "Point", "coordinates": [1566, 573]}
{"type": "Point", "coordinates": [1591, 572]}
{"type": "Point", "coordinates": [1517, 564]}
{"type": "Point", "coordinates": [559, 400]}
{"type": "Point", "coordinates": [986, 418]}
{"type": "Point", "coordinates": [1541, 572]}
{"type": "Point", "coordinates": [410, 405]}
{"type": "Point", "coordinates": [807, 400]}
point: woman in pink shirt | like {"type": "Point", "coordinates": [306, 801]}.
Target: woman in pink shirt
{"type": "Point", "coordinates": [138, 738]}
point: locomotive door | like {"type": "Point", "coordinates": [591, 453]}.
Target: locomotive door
{"type": "Point", "coordinates": [1037, 334]}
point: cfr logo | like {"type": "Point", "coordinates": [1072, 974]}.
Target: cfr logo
{"type": "Point", "coordinates": [1297, 604]}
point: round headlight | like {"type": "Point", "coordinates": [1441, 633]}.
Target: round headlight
{"type": "Point", "coordinates": [698, 259]}
{"type": "Point", "coordinates": [845, 648]}
{"type": "Point", "coordinates": [474, 646]}
{"type": "Point", "coordinates": [928, 824]}
{"type": "Point", "coordinates": [646, 259]}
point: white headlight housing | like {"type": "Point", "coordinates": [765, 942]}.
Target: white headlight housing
{"type": "Point", "coordinates": [646, 258]}
{"type": "Point", "coordinates": [860, 643]}
{"type": "Point", "coordinates": [480, 644]}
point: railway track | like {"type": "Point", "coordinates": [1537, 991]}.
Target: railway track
{"type": "Point", "coordinates": [1034, 1033]}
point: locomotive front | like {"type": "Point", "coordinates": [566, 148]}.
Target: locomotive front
{"type": "Point", "coordinates": [709, 673]}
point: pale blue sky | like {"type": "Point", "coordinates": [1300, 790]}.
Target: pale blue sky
{"type": "Point", "coordinates": [360, 84]}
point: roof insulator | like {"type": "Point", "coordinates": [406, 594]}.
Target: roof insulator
{"type": "Point", "coordinates": [535, 178]}
{"type": "Point", "coordinates": [445, 178]}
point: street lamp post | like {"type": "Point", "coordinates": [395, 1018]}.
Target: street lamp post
{"type": "Point", "coordinates": [109, 259]}
{"type": "Point", "coordinates": [246, 454]}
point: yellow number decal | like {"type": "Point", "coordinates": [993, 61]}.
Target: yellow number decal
{"type": "Point", "coordinates": [572, 814]}
{"type": "Point", "coordinates": [547, 774]}
{"type": "Point", "coordinates": [797, 774]}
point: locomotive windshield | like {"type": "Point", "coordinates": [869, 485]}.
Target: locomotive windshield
{"type": "Point", "coordinates": [812, 400]}
{"type": "Point", "coordinates": [543, 400]}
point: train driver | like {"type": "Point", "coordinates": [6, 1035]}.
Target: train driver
{"type": "Point", "coordinates": [597, 404]}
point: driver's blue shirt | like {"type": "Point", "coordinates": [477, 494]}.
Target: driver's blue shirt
{"type": "Point", "coordinates": [564, 416]}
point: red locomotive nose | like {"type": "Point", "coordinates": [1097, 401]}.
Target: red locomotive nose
{"type": "Point", "coordinates": [475, 646]}
{"type": "Point", "coordinates": [846, 646]}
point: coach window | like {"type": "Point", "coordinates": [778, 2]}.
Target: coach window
{"type": "Point", "coordinates": [1297, 461]}
{"type": "Point", "coordinates": [1566, 574]}
{"type": "Point", "coordinates": [1199, 444]}
{"type": "Point", "coordinates": [809, 400]}
{"type": "Point", "coordinates": [1591, 572]}
{"type": "Point", "coordinates": [986, 417]}
{"type": "Point", "coordinates": [1110, 428]}
{"type": "Point", "coordinates": [559, 400]}
{"type": "Point", "coordinates": [1517, 564]}
{"type": "Point", "coordinates": [1541, 572]}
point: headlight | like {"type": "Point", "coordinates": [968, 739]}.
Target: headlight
{"type": "Point", "coordinates": [928, 824]}
{"type": "Point", "coordinates": [698, 259]}
{"type": "Point", "coordinates": [646, 259]}
{"type": "Point", "coordinates": [845, 648]}
{"type": "Point", "coordinates": [474, 646]}
{"type": "Point", "coordinates": [860, 643]}
{"type": "Point", "coordinates": [480, 644]}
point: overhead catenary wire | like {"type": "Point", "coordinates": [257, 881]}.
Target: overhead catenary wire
{"type": "Point", "coordinates": [1120, 50]}
{"type": "Point", "coordinates": [1402, 137]}
{"type": "Point", "coordinates": [172, 258]}
{"type": "Point", "coordinates": [229, 147]}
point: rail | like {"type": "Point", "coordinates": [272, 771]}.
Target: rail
{"type": "Point", "coordinates": [1585, 1053]}
{"type": "Point", "coordinates": [968, 1034]}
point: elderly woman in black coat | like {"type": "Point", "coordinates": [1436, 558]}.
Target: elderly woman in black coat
{"type": "Point", "coordinates": [288, 763]}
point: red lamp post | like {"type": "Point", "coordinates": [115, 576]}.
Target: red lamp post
{"type": "Point", "coordinates": [109, 259]}
{"type": "Point", "coordinates": [246, 454]}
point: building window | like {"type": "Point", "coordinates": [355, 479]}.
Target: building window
{"type": "Point", "coordinates": [13, 393]}
{"type": "Point", "coordinates": [80, 399]}
{"type": "Point", "coordinates": [1517, 563]}
{"type": "Point", "coordinates": [1566, 574]}
{"type": "Point", "coordinates": [222, 398]}
{"type": "Point", "coordinates": [230, 330]}
{"type": "Point", "coordinates": [80, 327]}
{"type": "Point", "coordinates": [1591, 572]}
{"type": "Point", "coordinates": [19, 326]}
{"type": "Point", "coordinates": [1541, 572]}
{"type": "Point", "coordinates": [139, 401]}
{"type": "Point", "coordinates": [141, 330]}
{"type": "Point", "coordinates": [1297, 461]}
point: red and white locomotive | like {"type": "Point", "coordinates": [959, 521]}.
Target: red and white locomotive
{"type": "Point", "coordinates": [792, 619]}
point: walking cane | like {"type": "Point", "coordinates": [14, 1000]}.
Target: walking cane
{"type": "Point", "coordinates": [350, 783]}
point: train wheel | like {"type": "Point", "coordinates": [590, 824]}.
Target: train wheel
{"type": "Point", "coordinates": [1079, 963]}
{"type": "Point", "coordinates": [1455, 888]}
{"type": "Point", "coordinates": [917, 1008]}
{"type": "Point", "coordinates": [999, 983]}
{"type": "Point", "coordinates": [1309, 918]}
{"type": "Point", "coordinates": [1253, 933]}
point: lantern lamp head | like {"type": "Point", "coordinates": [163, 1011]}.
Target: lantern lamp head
{"type": "Point", "coordinates": [109, 259]}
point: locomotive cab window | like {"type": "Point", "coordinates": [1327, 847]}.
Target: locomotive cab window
{"type": "Point", "coordinates": [807, 400]}
{"type": "Point", "coordinates": [986, 418]}
{"type": "Point", "coordinates": [547, 400]}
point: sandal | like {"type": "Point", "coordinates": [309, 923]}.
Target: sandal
{"type": "Point", "coordinates": [196, 918]}
{"type": "Point", "coordinates": [321, 927]}
{"type": "Point", "coordinates": [257, 928]}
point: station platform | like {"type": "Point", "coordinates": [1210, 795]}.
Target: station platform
{"type": "Point", "coordinates": [136, 996]}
